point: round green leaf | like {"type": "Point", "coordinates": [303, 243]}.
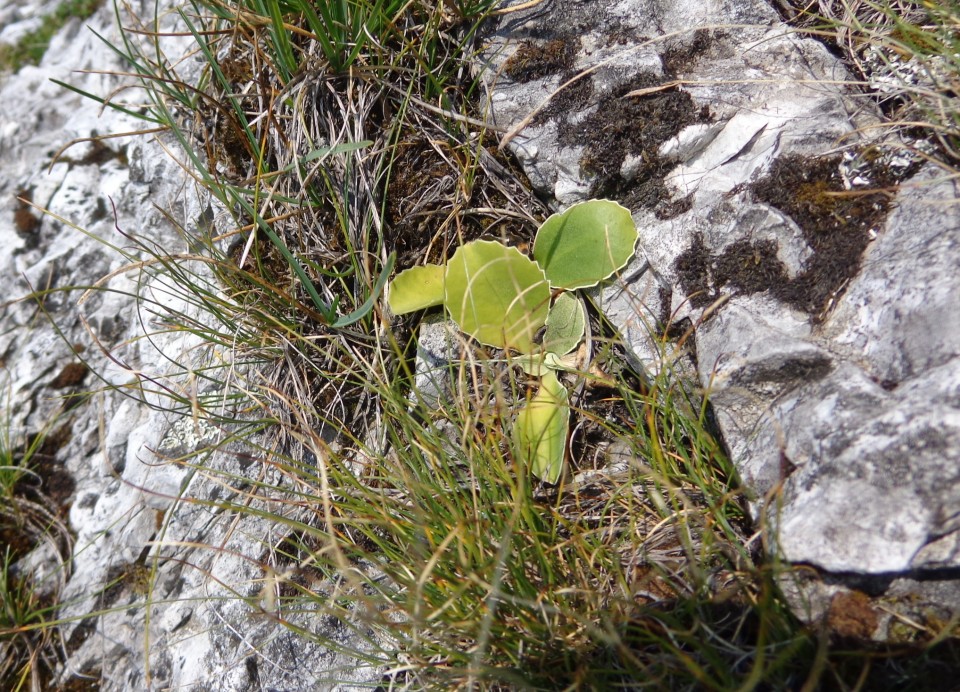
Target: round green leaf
{"type": "Point", "coordinates": [540, 430]}
{"type": "Point", "coordinates": [585, 244]}
{"type": "Point", "coordinates": [496, 294]}
{"type": "Point", "coordinates": [416, 288]}
{"type": "Point", "coordinates": [566, 325]}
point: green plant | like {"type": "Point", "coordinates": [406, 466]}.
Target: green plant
{"type": "Point", "coordinates": [638, 573]}
{"type": "Point", "coordinates": [502, 298]}
{"type": "Point", "coordinates": [23, 634]}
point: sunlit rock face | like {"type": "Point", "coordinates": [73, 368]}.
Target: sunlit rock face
{"type": "Point", "coordinates": [824, 310]}
{"type": "Point", "coordinates": [64, 213]}
{"type": "Point", "coordinates": [825, 325]}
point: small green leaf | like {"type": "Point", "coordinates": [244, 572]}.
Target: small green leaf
{"type": "Point", "coordinates": [416, 288]}
{"type": "Point", "coordinates": [540, 431]}
{"type": "Point", "coordinates": [496, 294]}
{"type": "Point", "coordinates": [566, 325]}
{"type": "Point", "coordinates": [585, 244]}
{"type": "Point", "coordinates": [535, 364]}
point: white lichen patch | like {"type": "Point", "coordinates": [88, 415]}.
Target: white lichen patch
{"type": "Point", "coordinates": [186, 435]}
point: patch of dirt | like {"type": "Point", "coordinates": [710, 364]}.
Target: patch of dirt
{"type": "Point", "coordinates": [56, 484]}
{"type": "Point", "coordinates": [593, 433]}
{"type": "Point", "coordinates": [851, 616]}
{"type": "Point", "coordinates": [18, 540]}
{"type": "Point", "coordinates": [47, 486]}
{"type": "Point", "coordinates": [33, 514]}
{"type": "Point", "coordinates": [71, 375]}
{"type": "Point", "coordinates": [634, 126]}
{"type": "Point", "coordinates": [533, 60]}
{"type": "Point", "coordinates": [85, 681]}
{"type": "Point", "coordinates": [426, 192]}
{"type": "Point", "coordinates": [421, 183]}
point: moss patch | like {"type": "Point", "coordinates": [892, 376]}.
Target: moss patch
{"type": "Point", "coordinates": [744, 266]}
{"type": "Point", "coordinates": [634, 126]}
{"type": "Point", "coordinates": [534, 60]}
{"type": "Point", "coordinates": [851, 616]}
{"type": "Point", "coordinates": [678, 58]}
{"type": "Point", "coordinates": [30, 49]}
{"type": "Point", "coordinates": [71, 375]}
{"type": "Point", "coordinates": [25, 221]}
{"type": "Point", "coordinates": [837, 225]}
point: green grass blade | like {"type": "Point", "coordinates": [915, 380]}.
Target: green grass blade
{"type": "Point", "coordinates": [368, 304]}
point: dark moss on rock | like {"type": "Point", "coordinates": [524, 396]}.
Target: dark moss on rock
{"type": "Point", "coordinates": [750, 266]}
{"type": "Point", "coordinates": [744, 267]}
{"type": "Point", "coordinates": [571, 99]}
{"type": "Point", "coordinates": [634, 126]}
{"type": "Point", "coordinates": [694, 272]}
{"type": "Point", "coordinates": [678, 58]}
{"type": "Point", "coordinates": [837, 224]}
{"type": "Point", "coordinates": [25, 221]}
{"type": "Point", "coordinates": [71, 375]}
{"type": "Point", "coordinates": [851, 616]}
{"type": "Point", "coordinates": [536, 60]}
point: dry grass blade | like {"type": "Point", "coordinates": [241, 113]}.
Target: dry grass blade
{"type": "Point", "coordinates": [411, 522]}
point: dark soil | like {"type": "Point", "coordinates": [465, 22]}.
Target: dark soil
{"type": "Point", "coordinates": [46, 490]}
{"type": "Point", "coordinates": [424, 191]}
{"type": "Point", "coordinates": [86, 681]}
{"type": "Point", "coordinates": [48, 485]}
{"type": "Point", "coordinates": [56, 484]}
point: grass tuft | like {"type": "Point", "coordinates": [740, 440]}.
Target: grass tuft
{"type": "Point", "coordinates": [29, 526]}
{"type": "Point", "coordinates": [907, 54]}
{"type": "Point", "coordinates": [330, 143]}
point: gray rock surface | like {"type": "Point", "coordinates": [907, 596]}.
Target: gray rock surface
{"type": "Point", "coordinates": [831, 360]}
{"type": "Point", "coordinates": [439, 349]}
{"type": "Point", "coordinates": [198, 617]}
{"type": "Point", "coordinates": [843, 417]}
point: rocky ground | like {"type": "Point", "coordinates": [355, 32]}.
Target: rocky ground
{"type": "Point", "coordinates": [823, 316]}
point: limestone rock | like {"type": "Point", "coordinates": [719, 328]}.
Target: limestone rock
{"type": "Point", "coordinates": [825, 315]}
{"type": "Point", "coordinates": [128, 502]}
{"type": "Point", "coordinates": [439, 349]}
